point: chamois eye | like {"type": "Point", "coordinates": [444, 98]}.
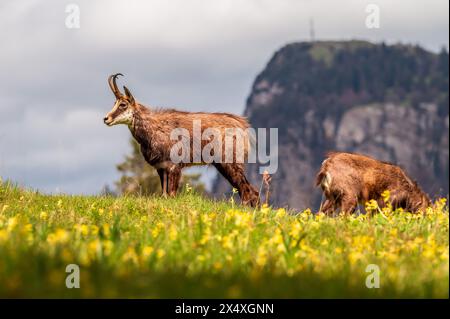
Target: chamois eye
{"type": "Point", "coordinates": [123, 106]}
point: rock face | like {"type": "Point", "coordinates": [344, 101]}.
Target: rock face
{"type": "Point", "coordinates": [389, 102]}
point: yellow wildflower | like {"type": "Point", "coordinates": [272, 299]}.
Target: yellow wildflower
{"type": "Point", "coordinates": [43, 216]}
{"type": "Point", "coordinates": [173, 233]}
{"type": "Point", "coordinates": [106, 230]}
{"type": "Point", "coordinates": [354, 257]}
{"type": "Point", "coordinates": [28, 228]}
{"type": "Point", "coordinates": [281, 212]}
{"type": "Point", "coordinates": [281, 248]}
{"type": "Point", "coordinates": [160, 253]}
{"type": "Point", "coordinates": [206, 236]}
{"type": "Point", "coordinates": [12, 223]}
{"type": "Point", "coordinates": [227, 242]}
{"type": "Point", "coordinates": [147, 251]}
{"type": "Point", "coordinates": [261, 256]}
{"type": "Point", "coordinates": [200, 258]}
{"type": "Point", "coordinates": [296, 228]}
{"type": "Point", "coordinates": [155, 232]}
{"type": "Point", "coordinates": [3, 236]}
{"type": "Point", "coordinates": [371, 205]}
{"type": "Point", "coordinates": [386, 195]}
{"type": "Point", "coordinates": [60, 236]}
{"type": "Point", "coordinates": [315, 225]}
{"type": "Point", "coordinates": [324, 242]}
{"type": "Point", "coordinates": [108, 246]}
{"type": "Point", "coordinates": [320, 216]}
{"type": "Point", "coordinates": [84, 229]}
{"type": "Point", "coordinates": [265, 209]}
{"type": "Point", "coordinates": [94, 230]}
{"type": "Point", "coordinates": [130, 256]}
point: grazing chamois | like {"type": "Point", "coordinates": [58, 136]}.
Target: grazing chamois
{"type": "Point", "coordinates": [347, 179]}
{"type": "Point", "coordinates": [152, 129]}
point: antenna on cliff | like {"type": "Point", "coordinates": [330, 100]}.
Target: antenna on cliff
{"type": "Point", "coordinates": [311, 30]}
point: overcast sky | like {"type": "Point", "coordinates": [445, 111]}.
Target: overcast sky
{"type": "Point", "coordinates": [189, 54]}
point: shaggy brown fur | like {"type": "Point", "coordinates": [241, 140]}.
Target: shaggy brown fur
{"type": "Point", "coordinates": [152, 128]}
{"type": "Point", "coordinates": [348, 179]}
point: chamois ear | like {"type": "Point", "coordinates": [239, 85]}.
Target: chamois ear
{"type": "Point", "coordinates": [128, 94]}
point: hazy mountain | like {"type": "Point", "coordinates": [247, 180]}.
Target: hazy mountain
{"type": "Point", "coordinates": [387, 101]}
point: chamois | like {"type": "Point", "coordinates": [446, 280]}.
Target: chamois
{"type": "Point", "coordinates": [152, 129]}
{"type": "Point", "coordinates": [347, 179]}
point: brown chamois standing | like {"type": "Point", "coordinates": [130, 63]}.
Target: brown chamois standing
{"type": "Point", "coordinates": [347, 179]}
{"type": "Point", "coordinates": [152, 130]}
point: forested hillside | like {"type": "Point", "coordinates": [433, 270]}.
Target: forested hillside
{"type": "Point", "coordinates": [387, 101]}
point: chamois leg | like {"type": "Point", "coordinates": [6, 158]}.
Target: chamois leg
{"type": "Point", "coordinates": [234, 174]}
{"type": "Point", "coordinates": [399, 200]}
{"type": "Point", "coordinates": [174, 180]}
{"type": "Point", "coordinates": [163, 178]}
{"type": "Point", "coordinates": [348, 204]}
{"type": "Point", "coordinates": [328, 207]}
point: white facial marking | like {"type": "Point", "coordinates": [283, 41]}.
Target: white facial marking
{"type": "Point", "coordinates": [125, 117]}
{"type": "Point", "coordinates": [326, 181]}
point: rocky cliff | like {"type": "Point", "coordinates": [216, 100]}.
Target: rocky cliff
{"type": "Point", "coordinates": [389, 102]}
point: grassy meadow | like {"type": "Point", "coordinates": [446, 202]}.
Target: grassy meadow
{"type": "Point", "coordinates": [190, 246]}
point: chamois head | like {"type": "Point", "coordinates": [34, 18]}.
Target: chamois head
{"type": "Point", "coordinates": [124, 107]}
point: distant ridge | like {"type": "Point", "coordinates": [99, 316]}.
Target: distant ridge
{"type": "Point", "coordinates": [387, 101]}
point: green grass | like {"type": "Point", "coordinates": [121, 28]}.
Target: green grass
{"type": "Point", "coordinates": [189, 246]}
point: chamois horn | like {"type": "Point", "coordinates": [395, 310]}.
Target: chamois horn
{"type": "Point", "coordinates": [113, 85]}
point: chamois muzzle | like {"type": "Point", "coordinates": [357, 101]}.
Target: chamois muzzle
{"type": "Point", "coordinates": [108, 120]}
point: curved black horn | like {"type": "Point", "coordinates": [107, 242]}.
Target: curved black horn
{"type": "Point", "coordinates": [113, 85]}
